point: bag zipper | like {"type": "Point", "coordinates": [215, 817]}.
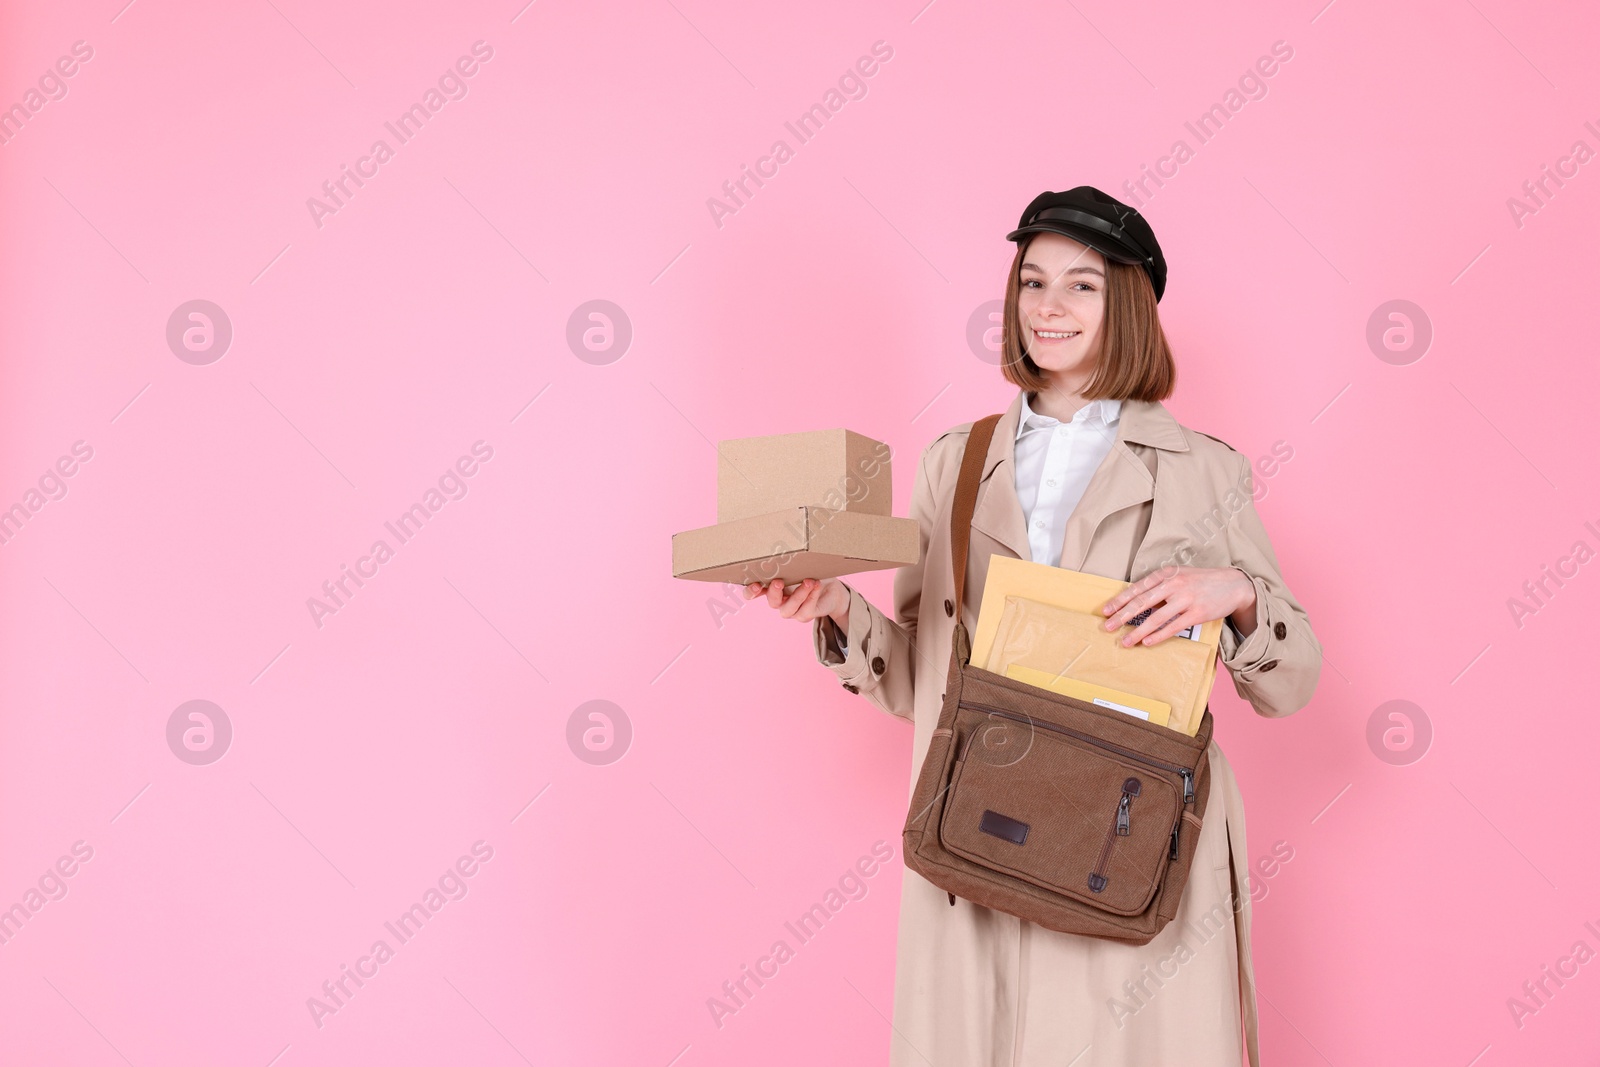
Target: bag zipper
{"type": "Point", "coordinates": [1188, 775]}
{"type": "Point", "coordinates": [1120, 827]}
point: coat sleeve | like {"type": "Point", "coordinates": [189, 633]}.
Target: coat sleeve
{"type": "Point", "coordinates": [879, 661]}
{"type": "Point", "coordinates": [1276, 666]}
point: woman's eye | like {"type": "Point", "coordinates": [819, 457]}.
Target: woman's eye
{"type": "Point", "coordinates": [1031, 281]}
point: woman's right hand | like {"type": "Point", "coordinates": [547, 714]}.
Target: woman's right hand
{"type": "Point", "coordinates": [812, 599]}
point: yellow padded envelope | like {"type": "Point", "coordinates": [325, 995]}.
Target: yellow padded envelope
{"type": "Point", "coordinates": [1048, 618]}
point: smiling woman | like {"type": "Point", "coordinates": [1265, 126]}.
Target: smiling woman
{"type": "Point", "coordinates": [1086, 470]}
{"type": "Point", "coordinates": [1070, 302]}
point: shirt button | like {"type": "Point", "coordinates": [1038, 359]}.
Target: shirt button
{"type": "Point", "coordinates": [1051, 481]}
{"type": "Point", "coordinates": [1038, 524]}
{"type": "Point", "coordinates": [877, 664]}
{"type": "Point", "coordinates": [1267, 666]}
{"type": "Point", "coordinates": [949, 608]}
{"type": "Point", "coordinates": [1279, 630]}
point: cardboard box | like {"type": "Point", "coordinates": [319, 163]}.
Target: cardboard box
{"type": "Point", "coordinates": [794, 543]}
{"type": "Point", "coordinates": [798, 505]}
{"type": "Point", "coordinates": [834, 469]}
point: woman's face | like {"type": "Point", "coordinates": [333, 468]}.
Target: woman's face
{"type": "Point", "coordinates": [1060, 306]}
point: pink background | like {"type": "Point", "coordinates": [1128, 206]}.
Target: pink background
{"type": "Point", "coordinates": [370, 352]}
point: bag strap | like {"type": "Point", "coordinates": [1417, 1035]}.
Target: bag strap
{"type": "Point", "coordinates": [977, 449]}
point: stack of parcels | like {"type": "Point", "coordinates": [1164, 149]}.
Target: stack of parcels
{"type": "Point", "coordinates": [1043, 626]}
{"type": "Point", "coordinates": [798, 505]}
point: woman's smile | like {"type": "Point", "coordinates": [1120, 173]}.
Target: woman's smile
{"type": "Point", "coordinates": [1055, 337]}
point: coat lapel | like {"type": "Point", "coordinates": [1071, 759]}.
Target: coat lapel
{"type": "Point", "coordinates": [998, 512]}
{"type": "Point", "coordinates": [1121, 481]}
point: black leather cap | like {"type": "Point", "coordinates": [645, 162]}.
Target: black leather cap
{"type": "Point", "coordinates": [1100, 221]}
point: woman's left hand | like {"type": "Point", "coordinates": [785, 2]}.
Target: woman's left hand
{"type": "Point", "coordinates": [1183, 597]}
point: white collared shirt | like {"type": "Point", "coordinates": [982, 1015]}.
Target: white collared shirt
{"type": "Point", "coordinates": [1054, 462]}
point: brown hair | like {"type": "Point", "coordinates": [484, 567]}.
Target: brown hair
{"type": "Point", "coordinates": [1135, 360]}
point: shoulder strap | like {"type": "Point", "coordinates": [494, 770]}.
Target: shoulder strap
{"type": "Point", "coordinates": [977, 448]}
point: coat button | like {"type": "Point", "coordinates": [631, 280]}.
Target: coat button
{"type": "Point", "coordinates": [949, 608]}
{"type": "Point", "coordinates": [877, 664]}
{"type": "Point", "coordinates": [850, 687]}
{"type": "Point", "coordinates": [1267, 666]}
{"type": "Point", "coordinates": [1279, 630]}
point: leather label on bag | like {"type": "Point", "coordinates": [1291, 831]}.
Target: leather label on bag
{"type": "Point", "coordinates": [1009, 829]}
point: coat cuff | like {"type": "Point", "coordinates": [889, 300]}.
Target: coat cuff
{"type": "Point", "coordinates": [1251, 653]}
{"type": "Point", "coordinates": [855, 668]}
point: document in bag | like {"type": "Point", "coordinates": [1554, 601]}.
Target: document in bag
{"type": "Point", "coordinates": [1047, 619]}
{"type": "Point", "coordinates": [1156, 711]}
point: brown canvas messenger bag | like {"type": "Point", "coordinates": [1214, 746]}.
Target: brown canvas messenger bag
{"type": "Point", "coordinates": [1076, 817]}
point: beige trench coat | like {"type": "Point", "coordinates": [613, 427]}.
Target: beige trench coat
{"type": "Point", "coordinates": [976, 987]}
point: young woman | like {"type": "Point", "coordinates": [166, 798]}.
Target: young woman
{"type": "Point", "coordinates": [1067, 481]}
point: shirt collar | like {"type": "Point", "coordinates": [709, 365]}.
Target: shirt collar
{"type": "Point", "coordinates": [1105, 411]}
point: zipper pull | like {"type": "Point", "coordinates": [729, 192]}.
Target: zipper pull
{"type": "Point", "coordinates": [952, 898]}
{"type": "Point", "coordinates": [1131, 788]}
{"type": "Point", "coordinates": [1172, 855]}
{"type": "Point", "coordinates": [1188, 785]}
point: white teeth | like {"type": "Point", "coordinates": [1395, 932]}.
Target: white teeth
{"type": "Point", "coordinates": [1046, 333]}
